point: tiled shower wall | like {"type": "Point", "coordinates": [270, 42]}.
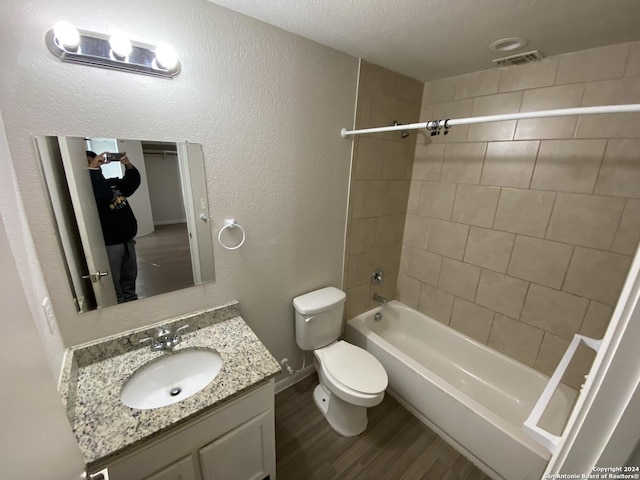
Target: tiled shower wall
{"type": "Point", "coordinates": [380, 182]}
{"type": "Point", "coordinates": [520, 233]}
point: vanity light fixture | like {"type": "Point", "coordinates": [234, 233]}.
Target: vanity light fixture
{"type": "Point", "coordinates": [115, 52]}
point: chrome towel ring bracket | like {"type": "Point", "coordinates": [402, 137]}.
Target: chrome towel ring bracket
{"type": "Point", "coordinates": [230, 223]}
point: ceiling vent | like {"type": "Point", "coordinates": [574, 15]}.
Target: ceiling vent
{"type": "Point", "coordinates": [519, 58]}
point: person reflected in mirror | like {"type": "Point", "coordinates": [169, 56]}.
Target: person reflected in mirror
{"type": "Point", "coordinates": [119, 224]}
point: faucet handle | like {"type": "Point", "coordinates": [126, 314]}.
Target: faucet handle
{"type": "Point", "coordinates": [176, 335]}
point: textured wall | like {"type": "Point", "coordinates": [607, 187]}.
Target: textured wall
{"type": "Point", "coordinates": [380, 181]}
{"type": "Point", "coordinates": [520, 234]}
{"type": "Point", "coordinates": [267, 107]}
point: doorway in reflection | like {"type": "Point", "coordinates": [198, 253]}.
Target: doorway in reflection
{"type": "Point", "coordinates": [164, 260]}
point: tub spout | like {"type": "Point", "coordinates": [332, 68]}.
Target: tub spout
{"type": "Point", "coordinates": [379, 298]}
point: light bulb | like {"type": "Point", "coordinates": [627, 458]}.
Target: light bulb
{"type": "Point", "coordinates": [166, 56]}
{"type": "Point", "coordinates": [66, 34]}
{"type": "Point", "coordinates": [120, 46]}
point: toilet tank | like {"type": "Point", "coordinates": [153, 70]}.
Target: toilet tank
{"type": "Point", "coordinates": [319, 317]}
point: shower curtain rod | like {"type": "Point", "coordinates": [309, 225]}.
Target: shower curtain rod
{"type": "Point", "coordinates": [439, 125]}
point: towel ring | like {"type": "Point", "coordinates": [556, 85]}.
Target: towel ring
{"type": "Point", "coordinates": [231, 223]}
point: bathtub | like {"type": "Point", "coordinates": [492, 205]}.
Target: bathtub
{"type": "Point", "coordinates": [474, 397]}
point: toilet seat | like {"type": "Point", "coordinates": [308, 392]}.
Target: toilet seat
{"type": "Point", "coordinates": [354, 372]}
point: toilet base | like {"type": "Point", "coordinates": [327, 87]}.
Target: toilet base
{"type": "Point", "coordinates": [346, 419]}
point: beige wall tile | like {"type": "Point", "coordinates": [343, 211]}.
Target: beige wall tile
{"type": "Point", "coordinates": [357, 300]}
{"type": "Point", "coordinates": [620, 173]}
{"type": "Point", "coordinates": [425, 266]}
{"type": "Point", "coordinates": [426, 114]}
{"type": "Point", "coordinates": [414, 197]}
{"type": "Point", "coordinates": [436, 303]}
{"type": "Point", "coordinates": [408, 291]}
{"type": "Point", "coordinates": [557, 312]}
{"type": "Point", "coordinates": [398, 159]}
{"type": "Point", "coordinates": [386, 258]}
{"type": "Point", "coordinates": [389, 230]}
{"type": "Point", "coordinates": [628, 234]}
{"type": "Point", "coordinates": [540, 261]}
{"type": "Point", "coordinates": [552, 350]}
{"type": "Point", "coordinates": [490, 132]}
{"type": "Point", "coordinates": [384, 110]}
{"type": "Point", "coordinates": [475, 84]}
{"type": "Point", "coordinates": [436, 200]}
{"type": "Point", "coordinates": [515, 339]}
{"type": "Point", "coordinates": [586, 220]}
{"type": "Point", "coordinates": [377, 78]}
{"type": "Point", "coordinates": [597, 275]}
{"type": "Point", "coordinates": [568, 165]}
{"type": "Point", "coordinates": [501, 293]}
{"type": "Point", "coordinates": [455, 109]}
{"type": "Point", "coordinates": [362, 235]}
{"type": "Point", "coordinates": [398, 196]}
{"type": "Point", "coordinates": [475, 205]}
{"type": "Point", "coordinates": [594, 64]}
{"type": "Point", "coordinates": [463, 163]}
{"type": "Point", "coordinates": [370, 160]}
{"type": "Point", "coordinates": [407, 88]}
{"type": "Point", "coordinates": [428, 162]}
{"type": "Point", "coordinates": [633, 62]}
{"type": "Point", "coordinates": [405, 258]}
{"type": "Point", "coordinates": [448, 239]}
{"type": "Point", "coordinates": [509, 164]}
{"type": "Point", "coordinates": [609, 125]}
{"type": "Point", "coordinates": [356, 199]}
{"type": "Point", "coordinates": [375, 198]}
{"type": "Point", "coordinates": [524, 211]}
{"type": "Point", "coordinates": [563, 96]}
{"type": "Point", "coordinates": [533, 75]}
{"type": "Point", "coordinates": [497, 104]}
{"type": "Point", "coordinates": [596, 320]}
{"type": "Point", "coordinates": [612, 92]}
{"type": "Point", "coordinates": [387, 290]}
{"type": "Point", "coordinates": [459, 278]}
{"type": "Point", "coordinates": [416, 231]}
{"type": "Point", "coordinates": [438, 91]}
{"type": "Point", "coordinates": [408, 112]}
{"type": "Point", "coordinates": [363, 107]}
{"type": "Point", "coordinates": [546, 128]}
{"type": "Point", "coordinates": [471, 320]}
{"type": "Point", "coordinates": [494, 105]}
{"type": "Point", "coordinates": [489, 249]}
{"type": "Point", "coordinates": [351, 269]}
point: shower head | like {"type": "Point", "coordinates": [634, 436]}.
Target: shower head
{"type": "Point", "coordinates": [403, 133]}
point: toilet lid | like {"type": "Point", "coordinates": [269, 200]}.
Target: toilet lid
{"type": "Point", "coordinates": [355, 368]}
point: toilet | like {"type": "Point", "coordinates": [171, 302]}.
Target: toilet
{"type": "Point", "coordinates": [351, 379]}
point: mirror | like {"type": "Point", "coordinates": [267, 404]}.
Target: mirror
{"type": "Point", "coordinates": [162, 184]}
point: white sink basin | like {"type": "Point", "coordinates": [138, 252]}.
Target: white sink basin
{"type": "Point", "coordinates": [171, 379]}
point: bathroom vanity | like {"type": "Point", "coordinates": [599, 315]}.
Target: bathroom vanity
{"type": "Point", "coordinates": [224, 431]}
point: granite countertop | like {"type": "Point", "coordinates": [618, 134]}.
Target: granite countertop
{"type": "Point", "coordinates": [93, 375]}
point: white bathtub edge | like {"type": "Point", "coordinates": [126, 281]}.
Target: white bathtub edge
{"type": "Point", "coordinates": [444, 436]}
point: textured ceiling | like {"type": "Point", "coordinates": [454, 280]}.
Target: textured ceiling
{"type": "Point", "coordinates": [429, 39]}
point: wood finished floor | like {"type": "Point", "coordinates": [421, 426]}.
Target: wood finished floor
{"type": "Point", "coordinates": [164, 260]}
{"type": "Point", "coordinates": [396, 445]}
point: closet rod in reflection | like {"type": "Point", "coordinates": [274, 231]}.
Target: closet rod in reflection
{"type": "Point", "coordinates": [439, 125]}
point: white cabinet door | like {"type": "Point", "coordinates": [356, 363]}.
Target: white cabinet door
{"type": "Point", "coordinates": [180, 470]}
{"type": "Point", "coordinates": [242, 454]}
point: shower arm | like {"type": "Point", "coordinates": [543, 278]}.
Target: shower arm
{"type": "Point", "coordinates": [436, 125]}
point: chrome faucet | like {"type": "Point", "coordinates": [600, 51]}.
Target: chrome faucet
{"type": "Point", "coordinates": [380, 298]}
{"type": "Point", "coordinates": [165, 339]}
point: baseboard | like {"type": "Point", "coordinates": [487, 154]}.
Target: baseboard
{"type": "Point", "coordinates": [290, 380]}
